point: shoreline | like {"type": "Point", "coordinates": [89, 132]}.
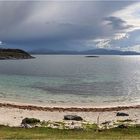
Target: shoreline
{"type": "Point", "coordinates": [12, 114]}
{"type": "Point", "coordinates": [64, 109]}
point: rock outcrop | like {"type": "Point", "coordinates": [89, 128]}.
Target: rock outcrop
{"type": "Point", "coordinates": [14, 54]}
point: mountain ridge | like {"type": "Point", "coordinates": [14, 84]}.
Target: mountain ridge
{"type": "Point", "coordinates": [87, 52]}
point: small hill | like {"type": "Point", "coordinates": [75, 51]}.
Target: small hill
{"type": "Point", "coordinates": [14, 54]}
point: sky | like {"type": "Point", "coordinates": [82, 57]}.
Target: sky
{"type": "Point", "coordinates": [70, 25]}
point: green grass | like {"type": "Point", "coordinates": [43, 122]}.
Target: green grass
{"type": "Point", "coordinates": [55, 134]}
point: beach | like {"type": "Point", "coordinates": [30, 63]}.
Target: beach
{"type": "Point", "coordinates": [52, 86]}
{"type": "Point", "coordinates": [12, 114]}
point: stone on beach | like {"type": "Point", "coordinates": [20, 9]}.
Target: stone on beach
{"type": "Point", "coordinates": [30, 121]}
{"type": "Point", "coordinates": [122, 114]}
{"type": "Point", "coordinates": [73, 117]}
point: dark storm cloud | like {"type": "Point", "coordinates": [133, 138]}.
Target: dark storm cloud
{"type": "Point", "coordinates": [57, 25]}
{"type": "Point", "coordinates": [13, 13]}
{"type": "Point", "coordinates": [117, 23]}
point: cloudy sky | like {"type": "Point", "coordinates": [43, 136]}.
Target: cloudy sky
{"type": "Point", "coordinates": [70, 25]}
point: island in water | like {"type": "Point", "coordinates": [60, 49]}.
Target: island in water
{"type": "Point", "coordinates": [91, 56]}
{"type": "Point", "coordinates": [14, 54]}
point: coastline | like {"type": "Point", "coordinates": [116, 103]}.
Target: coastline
{"type": "Point", "coordinates": [51, 108]}
{"type": "Point", "coordinates": [12, 114]}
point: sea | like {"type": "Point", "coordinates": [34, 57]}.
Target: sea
{"type": "Point", "coordinates": [71, 80]}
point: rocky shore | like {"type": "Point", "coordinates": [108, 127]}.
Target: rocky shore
{"type": "Point", "coordinates": [14, 54]}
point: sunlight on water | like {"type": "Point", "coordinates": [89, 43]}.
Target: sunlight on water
{"type": "Point", "coordinates": [71, 80]}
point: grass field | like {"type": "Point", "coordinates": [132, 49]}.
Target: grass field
{"type": "Point", "coordinates": [132, 133]}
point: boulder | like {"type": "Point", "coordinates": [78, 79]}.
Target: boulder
{"type": "Point", "coordinates": [122, 114]}
{"type": "Point", "coordinates": [30, 121]}
{"type": "Point", "coordinates": [73, 117]}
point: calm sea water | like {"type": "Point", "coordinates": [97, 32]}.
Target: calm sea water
{"type": "Point", "coordinates": [69, 79]}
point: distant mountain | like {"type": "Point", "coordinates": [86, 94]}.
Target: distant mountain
{"type": "Point", "coordinates": [88, 52]}
{"type": "Point", "coordinates": [14, 54]}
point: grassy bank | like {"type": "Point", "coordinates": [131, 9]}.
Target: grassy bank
{"type": "Point", "coordinates": [48, 133]}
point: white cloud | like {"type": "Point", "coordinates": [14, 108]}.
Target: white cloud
{"type": "Point", "coordinates": [107, 42]}
{"type": "Point", "coordinates": [129, 39]}
{"type": "Point", "coordinates": [132, 48]}
{"type": "Point", "coordinates": [102, 43]}
{"type": "Point", "coordinates": [119, 36]}
{"type": "Point", "coordinates": [130, 14]}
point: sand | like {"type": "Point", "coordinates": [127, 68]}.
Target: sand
{"type": "Point", "coordinates": [12, 114]}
